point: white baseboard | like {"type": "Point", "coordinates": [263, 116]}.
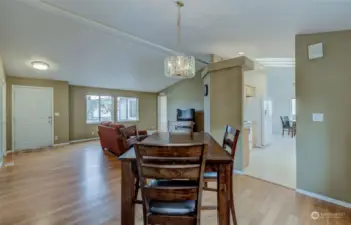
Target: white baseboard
{"type": "Point", "coordinates": [61, 144]}
{"type": "Point", "coordinates": [324, 198]}
{"type": "Point", "coordinates": [84, 140]}
{"type": "Point", "coordinates": [238, 172]}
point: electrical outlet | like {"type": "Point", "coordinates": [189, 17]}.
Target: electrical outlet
{"type": "Point", "coordinates": [56, 138]}
{"type": "Point", "coordinates": [93, 133]}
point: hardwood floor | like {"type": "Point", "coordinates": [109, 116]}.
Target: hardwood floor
{"type": "Point", "coordinates": [80, 184]}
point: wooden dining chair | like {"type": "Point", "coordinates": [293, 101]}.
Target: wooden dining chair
{"type": "Point", "coordinates": [231, 143]}
{"type": "Point", "coordinates": [173, 196]}
{"type": "Point", "coordinates": [285, 125]}
{"type": "Point", "coordinates": [180, 126]}
{"type": "Point", "coordinates": [131, 136]}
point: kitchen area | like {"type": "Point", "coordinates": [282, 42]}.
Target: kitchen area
{"type": "Point", "coordinates": [266, 155]}
{"type": "Point", "coordinates": [257, 114]}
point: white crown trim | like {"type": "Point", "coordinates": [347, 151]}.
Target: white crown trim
{"type": "Point", "coordinates": [277, 62]}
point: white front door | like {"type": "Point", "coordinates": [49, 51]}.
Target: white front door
{"type": "Point", "coordinates": [32, 109]}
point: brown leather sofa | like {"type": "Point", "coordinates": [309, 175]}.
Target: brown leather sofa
{"type": "Point", "coordinates": [111, 137]}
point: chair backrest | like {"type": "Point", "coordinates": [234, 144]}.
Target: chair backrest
{"type": "Point", "coordinates": [228, 142]}
{"type": "Point", "coordinates": [129, 136]}
{"type": "Point", "coordinates": [180, 126]}
{"type": "Point", "coordinates": [285, 121]}
{"type": "Point", "coordinates": [172, 163]}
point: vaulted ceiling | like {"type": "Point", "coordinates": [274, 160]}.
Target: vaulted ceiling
{"type": "Point", "coordinates": [122, 43]}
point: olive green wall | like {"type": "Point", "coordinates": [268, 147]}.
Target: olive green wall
{"type": "Point", "coordinates": [2, 111]}
{"type": "Point", "coordinates": [70, 102]}
{"type": "Point", "coordinates": [226, 105]}
{"type": "Point", "coordinates": [186, 94]}
{"type": "Point", "coordinates": [323, 149]}
{"type": "Point", "coordinates": [79, 129]}
{"type": "Point", "coordinates": [61, 127]}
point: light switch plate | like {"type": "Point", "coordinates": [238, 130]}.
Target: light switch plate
{"type": "Point", "coordinates": [317, 117]}
{"type": "Point", "coordinates": [57, 114]}
{"type": "Point", "coordinates": [315, 51]}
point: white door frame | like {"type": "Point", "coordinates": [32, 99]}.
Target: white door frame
{"type": "Point", "coordinates": [13, 117]}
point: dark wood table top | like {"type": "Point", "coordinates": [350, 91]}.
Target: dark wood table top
{"type": "Point", "coordinates": [215, 153]}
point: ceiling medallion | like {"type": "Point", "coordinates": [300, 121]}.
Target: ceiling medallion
{"type": "Point", "coordinates": [180, 66]}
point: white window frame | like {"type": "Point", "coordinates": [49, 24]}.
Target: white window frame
{"type": "Point", "coordinates": [129, 99]}
{"type": "Point", "coordinates": [99, 111]}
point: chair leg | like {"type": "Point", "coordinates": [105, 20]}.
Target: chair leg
{"type": "Point", "coordinates": [283, 132]}
{"type": "Point", "coordinates": [231, 199]}
{"type": "Point", "coordinates": [136, 191]}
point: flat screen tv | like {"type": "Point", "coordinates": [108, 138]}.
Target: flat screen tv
{"type": "Point", "coordinates": [186, 115]}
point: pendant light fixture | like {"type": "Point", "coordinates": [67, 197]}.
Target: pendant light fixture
{"type": "Point", "coordinates": [180, 66]}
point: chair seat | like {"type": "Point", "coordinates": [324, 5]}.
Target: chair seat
{"type": "Point", "coordinates": [172, 208]}
{"type": "Point", "coordinates": [210, 175]}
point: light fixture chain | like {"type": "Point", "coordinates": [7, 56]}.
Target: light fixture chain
{"type": "Point", "coordinates": [180, 4]}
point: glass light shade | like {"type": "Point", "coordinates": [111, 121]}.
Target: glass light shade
{"type": "Point", "coordinates": [40, 65]}
{"type": "Point", "coordinates": [180, 66]}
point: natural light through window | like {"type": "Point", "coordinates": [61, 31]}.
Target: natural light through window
{"type": "Point", "coordinates": [127, 109]}
{"type": "Point", "coordinates": [99, 108]}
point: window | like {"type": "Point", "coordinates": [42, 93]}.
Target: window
{"type": "Point", "coordinates": [99, 108]}
{"type": "Point", "coordinates": [293, 107]}
{"type": "Point", "coordinates": [127, 109]}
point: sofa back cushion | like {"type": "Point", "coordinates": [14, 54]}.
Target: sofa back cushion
{"type": "Point", "coordinates": [105, 123]}
{"type": "Point", "coordinates": [117, 127]}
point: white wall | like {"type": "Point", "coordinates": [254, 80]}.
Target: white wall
{"type": "Point", "coordinates": [281, 89]}
{"type": "Point", "coordinates": [252, 106]}
{"type": "Point", "coordinates": [2, 111]}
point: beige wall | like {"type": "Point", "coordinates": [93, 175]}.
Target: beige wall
{"type": "Point", "coordinates": [2, 110]}
{"type": "Point", "coordinates": [61, 127]}
{"type": "Point", "coordinates": [323, 149]}
{"type": "Point", "coordinates": [78, 127]}
{"type": "Point", "coordinates": [226, 105]}
{"type": "Point", "coordinates": [184, 95]}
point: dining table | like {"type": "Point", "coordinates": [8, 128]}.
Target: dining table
{"type": "Point", "coordinates": [218, 160]}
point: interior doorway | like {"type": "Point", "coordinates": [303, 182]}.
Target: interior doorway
{"type": "Point", "coordinates": [32, 117]}
{"type": "Point", "coordinates": [271, 155]}
{"type": "Point", "coordinates": [162, 113]}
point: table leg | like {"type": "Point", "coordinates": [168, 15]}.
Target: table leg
{"type": "Point", "coordinates": [127, 195]}
{"type": "Point", "coordinates": [223, 195]}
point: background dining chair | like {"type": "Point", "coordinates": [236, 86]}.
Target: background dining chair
{"type": "Point", "coordinates": [130, 136]}
{"type": "Point", "coordinates": [285, 125]}
{"type": "Point", "coordinates": [180, 126]}
{"type": "Point", "coordinates": [173, 196]}
{"type": "Point", "coordinates": [230, 141]}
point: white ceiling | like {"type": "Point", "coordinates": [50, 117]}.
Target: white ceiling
{"type": "Point", "coordinates": [122, 43]}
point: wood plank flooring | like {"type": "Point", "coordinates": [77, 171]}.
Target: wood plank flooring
{"type": "Point", "coordinates": [80, 184]}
